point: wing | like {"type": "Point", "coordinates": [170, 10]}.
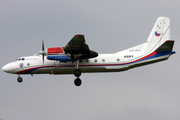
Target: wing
{"type": "Point", "coordinates": [77, 45]}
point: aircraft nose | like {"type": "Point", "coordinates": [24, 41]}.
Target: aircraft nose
{"type": "Point", "coordinates": [6, 68]}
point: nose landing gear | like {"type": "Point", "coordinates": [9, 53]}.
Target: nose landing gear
{"type": "Point", "coordinates": [19, 79]}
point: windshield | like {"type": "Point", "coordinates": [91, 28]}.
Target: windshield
{"type": "Point", "coordinates": [19, 59]}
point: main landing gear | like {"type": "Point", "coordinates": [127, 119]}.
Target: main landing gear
{"type": "Point", "coordinates": [77, 81]}
{"type": "Point", "coordinates": [77, 73]}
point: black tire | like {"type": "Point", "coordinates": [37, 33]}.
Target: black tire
{"type": "Point", "coordinates": [77, 82]}
{"type": "Point", "coordinates": [19, 79]}
{"type": "Point", "coordinates": [77, 72]}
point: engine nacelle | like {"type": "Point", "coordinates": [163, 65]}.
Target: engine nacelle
{"type": "Point", "coordinates": [65, 58]}
{"type": "Point", "coordinates": [61, 58]}
{"type": "Point", "coordinates": [55, 50]}
{"type": "Point", "coordinates": [52, 51]}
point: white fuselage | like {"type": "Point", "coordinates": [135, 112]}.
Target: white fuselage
{"type": "Point", "coordinates": [103, 63]}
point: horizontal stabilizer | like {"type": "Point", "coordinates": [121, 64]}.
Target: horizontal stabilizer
{"type": "Point", "coordinates": [166, 46]}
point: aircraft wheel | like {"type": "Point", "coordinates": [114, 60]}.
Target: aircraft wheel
{"type": "Point", "coordinates": [77, 72]}
{"type": "Point", "coordinates": [19, 79]}
{"type": "Point", "coordinates": [77, 81]}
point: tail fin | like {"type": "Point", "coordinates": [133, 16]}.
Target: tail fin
{"type": "Point", "coordinates": [159, 34]}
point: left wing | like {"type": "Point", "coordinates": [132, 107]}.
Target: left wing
{"type": "Point", "coordinates": [76, 49]}
{"type": "Point", "coordinates": [77, 45]}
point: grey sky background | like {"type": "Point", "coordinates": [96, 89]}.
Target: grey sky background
{"type": "Point", "coordinates": [146, 93]}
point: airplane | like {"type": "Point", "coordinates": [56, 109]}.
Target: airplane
{"type": "Point", "coordinates": [76, 57]}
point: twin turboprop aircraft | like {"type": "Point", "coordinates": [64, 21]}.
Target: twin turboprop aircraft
{"type": "Point", "coordinates": [76, 57]}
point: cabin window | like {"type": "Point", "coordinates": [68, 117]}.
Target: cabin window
{"type": "Point", "coordinates": [118, 60]}
{"type": "Point", "coordinates": [95, 60]}
{"type": "Point", "coordinates": [23, 59]}
{"type": "Point", "coordinates": [103, 60]}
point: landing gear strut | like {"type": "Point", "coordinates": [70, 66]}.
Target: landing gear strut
{"type": "Point", "coordinates": [77, 73]}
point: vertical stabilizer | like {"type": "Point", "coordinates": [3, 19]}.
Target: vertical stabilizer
{"type": "Point", "coordinates": [159, 34]}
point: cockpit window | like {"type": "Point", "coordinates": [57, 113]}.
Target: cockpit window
{"type": "Point", "coordinates": [19, 59]}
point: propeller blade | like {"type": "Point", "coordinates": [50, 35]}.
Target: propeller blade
{"type": "Point", "coordinates": [43, 45]}
{"type": "Point", "coordinates": [43, 51]}
{"type": "Point", "coordinates": [43, 59]}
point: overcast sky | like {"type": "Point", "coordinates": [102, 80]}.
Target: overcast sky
{"type": "Point", "coordinates": [146, 93]}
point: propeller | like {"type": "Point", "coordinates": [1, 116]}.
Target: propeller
{"type": "Point", "coordinates": [42, 52]}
